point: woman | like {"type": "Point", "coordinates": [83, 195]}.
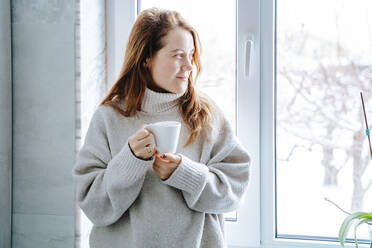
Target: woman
{"type": "Point", "coordinates": [136, 197]}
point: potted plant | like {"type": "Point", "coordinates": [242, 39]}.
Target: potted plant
{"type": "Point", "coordinates": [357, 218]}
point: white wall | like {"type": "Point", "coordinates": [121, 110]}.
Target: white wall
{"type": "Point", "coordinates": [43, 49]}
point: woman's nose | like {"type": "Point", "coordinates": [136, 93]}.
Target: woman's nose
{"type": "Point", "coordinates": [187, 66]}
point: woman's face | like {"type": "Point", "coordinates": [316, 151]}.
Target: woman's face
{"type": "Point", "coordinates": [171, 65]}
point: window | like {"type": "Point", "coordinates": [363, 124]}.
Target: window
{"type": "Point", "coordinates": [322, 65]}
{"type": "Point", "coordinates": [310, 93]}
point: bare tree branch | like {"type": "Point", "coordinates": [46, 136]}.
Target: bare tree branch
{"type": "Point", "coordinates": [292, 150]}
{"type": "Point", "coordinates": [325, 198]}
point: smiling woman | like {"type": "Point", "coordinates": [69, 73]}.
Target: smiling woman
{"type": "Point", "coordinates": [132, 194]}
{"type": "Point", "coordinates": [155, 32]}
{"type": "Point", "coordinates": [218, 77]}
{"type": "Point", "coordinates": [172, 65]}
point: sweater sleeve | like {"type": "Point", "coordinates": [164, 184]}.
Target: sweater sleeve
{"type": "Point", "coordinates": [106, 187]}
{"type": "Point", "coordinates": [218, 186]}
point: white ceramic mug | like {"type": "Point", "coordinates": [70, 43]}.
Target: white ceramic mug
{"type": "Point", "coordinates": [166, 134]}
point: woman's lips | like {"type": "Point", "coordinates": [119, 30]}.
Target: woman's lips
{"type": "Point", "coordinates": [183, 78]}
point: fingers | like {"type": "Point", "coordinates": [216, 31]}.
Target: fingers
{"type": "Point", "coordinates": [145, 147]}
{"type": "Point", "coordinates": [163, 167]}
{"type": "Point", "coordinates": [141, 143]}
{"type": "Point", "coordinates": [169, 158]}
{"type": "Point", "coordinates": [144, 142]}
{"type": "Point", "coordinates": [142, 133]}
{"type": "Point", "coordinates": [147, 151]}
{"type": "Point", "coordinates": [144, 152]}
{"type": "Point", "coordinates": [159, 161]}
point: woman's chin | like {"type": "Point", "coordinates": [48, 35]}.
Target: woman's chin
{"type": "Point", "coordinates": [179, 90]}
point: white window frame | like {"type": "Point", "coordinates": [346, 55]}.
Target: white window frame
{"type": "Point", "coordinates": [120, 17]}
{"type": "Point", "coordinates": [268, 88]}
{"type": "Point", "coordinates": [246, 231]}
{"type": "Point", "coordinates": [255, 92]}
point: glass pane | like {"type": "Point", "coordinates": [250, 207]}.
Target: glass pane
{"type": "Point", "coordinates": [324, 61]}
{"type": "Point", "coordinates": [217, 36]}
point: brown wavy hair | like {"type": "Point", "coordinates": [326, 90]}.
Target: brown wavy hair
{"type": "Point", "coordinates": [145, 39]}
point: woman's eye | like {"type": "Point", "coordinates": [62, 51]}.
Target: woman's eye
{"type": "Point", "coordinates": [180, 56]}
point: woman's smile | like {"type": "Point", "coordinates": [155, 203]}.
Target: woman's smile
{"type": "Point", "coordinates": [182, 78]}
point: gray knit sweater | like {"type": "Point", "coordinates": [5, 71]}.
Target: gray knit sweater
{"type": "Point", "coordinates": [128, 203]}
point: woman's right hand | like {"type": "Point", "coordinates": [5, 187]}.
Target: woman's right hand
{"type": "Point", "coordinates": [141, 143]}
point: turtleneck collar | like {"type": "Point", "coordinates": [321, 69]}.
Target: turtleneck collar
{"type": "Point", "coordinates": [156, 102]}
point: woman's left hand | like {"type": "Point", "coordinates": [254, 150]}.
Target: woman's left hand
{"type": "Point", "coordinates": [164, 166]}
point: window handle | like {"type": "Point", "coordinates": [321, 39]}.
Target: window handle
{"type": "Point", "coordinates": [249, 48]}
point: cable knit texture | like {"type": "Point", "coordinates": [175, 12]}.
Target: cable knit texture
{"type": "Point", "coordinates": [128, 203]}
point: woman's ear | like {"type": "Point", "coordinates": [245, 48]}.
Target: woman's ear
{"type": "Point", "coordinates": [147, 63]}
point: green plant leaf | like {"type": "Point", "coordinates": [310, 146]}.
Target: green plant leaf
{"type": "Point", "coordinates": [359, 222]}
{"type": "Point", "coordinates": [367, 216]}
{"type": "Point", "coordinates": [344, 229]}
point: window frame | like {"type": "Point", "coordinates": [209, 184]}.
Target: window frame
{"type": "Point", "coordinates": [268, 139]}
{"type": "Point", "coordinates": [248, 121]}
